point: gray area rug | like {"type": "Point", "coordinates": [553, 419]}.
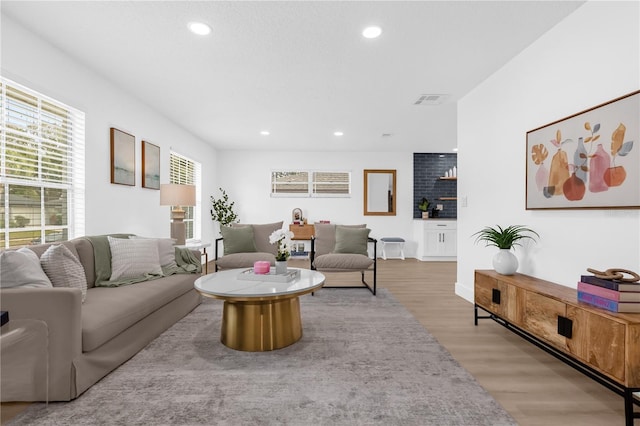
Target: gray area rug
{"type": "Point", "coordinates": [363, 360]}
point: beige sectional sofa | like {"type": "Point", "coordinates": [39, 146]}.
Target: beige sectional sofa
{"type": "Point", "coordinates": [89, 339]}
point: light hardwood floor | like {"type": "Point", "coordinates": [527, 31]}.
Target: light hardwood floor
{"type": "Point", "coordinates": [533, 386]}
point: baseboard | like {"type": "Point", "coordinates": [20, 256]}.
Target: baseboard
{"type": "Point", "coordinates": [464, 292]}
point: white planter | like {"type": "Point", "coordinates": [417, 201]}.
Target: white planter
{"type": "Point", "coordinates": [281, 267]}
{"type": "Point", "coordinates": [505, 262]}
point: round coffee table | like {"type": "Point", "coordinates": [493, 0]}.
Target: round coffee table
{"type": "Point", "coordinates": [259, 315]}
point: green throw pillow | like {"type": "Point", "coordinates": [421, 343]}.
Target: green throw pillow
{"type": "Point", "coordinates": [351, 240]}
{"type": "Point", "coordinates": [238, 240]}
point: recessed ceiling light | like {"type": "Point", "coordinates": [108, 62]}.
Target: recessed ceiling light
{"type": "Point", "coordinates": [265, 133]}
{"type": "Point", "coordinates": [199, 28]}
{"type": "Point", "coordinates": [338, 133]}
{"type": "Point", "coordinates": [455, 149]}
{"type": "Point", "coordinates": [372, 32]}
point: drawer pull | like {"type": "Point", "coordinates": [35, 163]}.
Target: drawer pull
{"type": "Point", "coordinates": [495, 296]}
{"type": "Point", "coordinates": [565, 327]}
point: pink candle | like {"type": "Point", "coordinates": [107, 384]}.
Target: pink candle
{"type": "Point", "coordinates": [261, 267]}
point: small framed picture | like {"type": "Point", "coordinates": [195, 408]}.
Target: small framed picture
{"type": "Point", "coordinates": [123, 158]}
{"type": "Point", "coordinates": [150, 165]}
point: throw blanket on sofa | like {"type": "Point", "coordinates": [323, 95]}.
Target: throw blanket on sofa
{"type": "Point", "coordinates": [186, 263]}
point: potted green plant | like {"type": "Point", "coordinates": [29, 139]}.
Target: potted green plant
{"type": "Point", "coordinates": [505, 262]}
{"type": "Point", "coordinates": [423, 206]}
{"type": "Point", "coordinates": [222, 210]}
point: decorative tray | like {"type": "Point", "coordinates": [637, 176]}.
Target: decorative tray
{"type": "Point", "coordinates": [248, 275]}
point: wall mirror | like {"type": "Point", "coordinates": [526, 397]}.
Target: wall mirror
{"type": "Point", "coordinates": [379, 192]}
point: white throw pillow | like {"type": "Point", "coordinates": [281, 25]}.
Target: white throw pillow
{"type": "Point", "coordinates": [166, 250]}
{"type": "Point", "coordinates": [63, 268]}
{"type": "Point", "coordinates": [133, 258]}
{"type": "Point", "coordinates": [21, 268]}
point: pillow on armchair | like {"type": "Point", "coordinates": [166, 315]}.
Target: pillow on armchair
{"type": "Point", "coordinates": [238, 239]}
{"type": "Point", "coordinates": [351, 240]}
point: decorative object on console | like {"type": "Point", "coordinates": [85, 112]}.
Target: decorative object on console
{"type": "Point", "coordinates": [177, 196]}
{"type": "Point", "coordinates": [586, 171]}
{"type": "Point", "coordinates": [222, 209]}
{"type": "Point", "coordinates": [423, 206]}
{"type": "Point", "coordinates": [616, 274]}
{"type": "Point", "coordinates": [504, 262]}
{"type": "Point", "coordinates": [296, 216]}
{"type": "Point", "coordinates": [610, 290]}
{"type": "Point", "coordinates": [150, 165]}
{"type": "Point", "coordinates": [123, 158]}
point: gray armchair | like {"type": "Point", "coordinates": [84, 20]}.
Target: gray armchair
{"type": "Point", "coordinates": [341, 248]}
{"type": "Point", "coordinates": [244, 244]}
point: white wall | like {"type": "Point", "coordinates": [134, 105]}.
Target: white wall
{"type": "Point", "coordinates": [587, 59]}
{"type": "Point", "coordinates": [246, 179]}
{"type": "Point", "coordinates": [33, 62]}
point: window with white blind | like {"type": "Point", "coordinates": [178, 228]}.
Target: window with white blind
{"type": "Point", "coordinates": [184, 171]}
{"type": "Point", "coordinates": [305, 183]}
{"type": "Point", "coordinates": [41, 168]}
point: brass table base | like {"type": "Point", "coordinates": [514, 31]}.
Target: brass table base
{"type": "Point", "coordinates": [262, 325]}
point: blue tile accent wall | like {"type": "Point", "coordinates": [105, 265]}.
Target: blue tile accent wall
{"type": "Point", "coordinates": [427, 170]}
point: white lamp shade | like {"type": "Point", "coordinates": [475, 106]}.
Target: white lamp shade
{"type": "Point", "coordinates": [177, 195]}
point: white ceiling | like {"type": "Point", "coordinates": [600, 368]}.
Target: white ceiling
{"type": "Point", "coordinates": [299, 69]}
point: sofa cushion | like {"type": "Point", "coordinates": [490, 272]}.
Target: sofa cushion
{"type": "Point", "coordinates": [21, 268]}
{"type": "Point", "coordinates": [166, 250]}
{"type": "Point", "coordinates": [64, 268]}
{"type": "Point", "coordinates": [351, 240]}
{"type": "Point", "coordinates": [238, 239]}
{"type": "Point", "coordinates": [108, 311]}
{"type": "Point", "coordinates": [244, 260]}
{"type": "Point", "coordinates": [133, 258]}
{"type": "Point", "coordinates": [342, 262]}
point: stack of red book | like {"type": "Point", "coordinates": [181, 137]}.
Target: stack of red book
{"type": "Point", "coordinates": [611, 295]}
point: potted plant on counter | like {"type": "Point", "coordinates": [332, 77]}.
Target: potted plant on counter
{"type": "Point", "coordinates": [423, 206]}
{"type": "Point", "coordinates": [505, 262]}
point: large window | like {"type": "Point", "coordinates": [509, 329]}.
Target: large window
{"type": "Point", "coordinates": [184, 171]}
{"type": "Point", "coordinates": [41, 168]}
{"type": "Point", "coordinates": [310, 184]}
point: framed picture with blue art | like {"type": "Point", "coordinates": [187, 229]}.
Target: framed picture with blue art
{"type": "Point", "coordinates": [588, 160]}
{"type": "Point", "coordinates": [123, 158]}
{"type": "Point", "coordinates": [150, 165]}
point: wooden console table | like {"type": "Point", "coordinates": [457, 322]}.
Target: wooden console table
{"type": "Point", "coordinates": [302, 232]}
{"type": "Point", "coordinates": [601, 344]}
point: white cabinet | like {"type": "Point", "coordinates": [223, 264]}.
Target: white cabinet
{"type": "Point", "coordinates": [436, 239]}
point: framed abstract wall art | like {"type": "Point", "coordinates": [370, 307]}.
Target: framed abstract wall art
{"type": "Point", "coordinates": [123, 158]}
{"type": "Point", "coordinates": [150, 165]}
{"type": "Point", "coordinates": [589, 160]}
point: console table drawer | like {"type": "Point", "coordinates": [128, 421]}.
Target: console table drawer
{"type": "Point", "coordinates": [541, 318]}
{"type": "Point", "coordinates": [302, 232]}
{"type": "Point", "coordinates": [499, 298]}
{"type": "Point", "coordinates": [599, 341]}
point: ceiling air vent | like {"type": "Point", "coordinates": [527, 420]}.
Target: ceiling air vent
{"type": "Point", "coordinates": [430, 99]}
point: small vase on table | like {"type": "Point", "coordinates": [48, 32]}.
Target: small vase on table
{"type": "Point", "coordinates": [281, 267]}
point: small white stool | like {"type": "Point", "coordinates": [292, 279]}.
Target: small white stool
{"type": "Point", "coordinates": [392, 241]}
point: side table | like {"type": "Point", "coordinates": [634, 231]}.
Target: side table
{"type": "Point", "coordinates": [197, 246]}
{"type": "Point", "coordinates": [24, 360]}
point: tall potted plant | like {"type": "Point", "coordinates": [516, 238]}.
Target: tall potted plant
{"type": "Point", "coordinates": [222, 209]}
{"type": "Point", "coordinates": [505, 262]}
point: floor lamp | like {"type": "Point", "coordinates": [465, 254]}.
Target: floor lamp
{"type": "Point", "coordinates": [177, 196]}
